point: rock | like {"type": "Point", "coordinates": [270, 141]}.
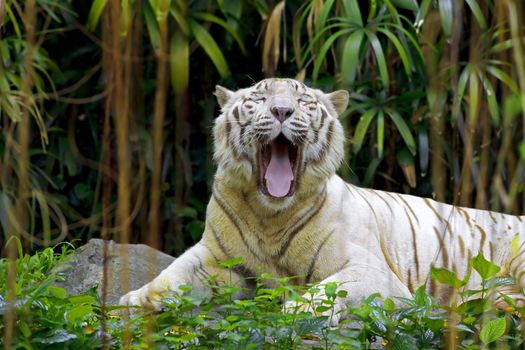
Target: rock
{"type": "Point", "coordinates": [129, 266]}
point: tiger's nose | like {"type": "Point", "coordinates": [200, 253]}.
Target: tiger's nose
{"type": "Point", "coordinates": [282, 112]}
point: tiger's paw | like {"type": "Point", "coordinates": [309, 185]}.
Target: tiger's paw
{"type": "Point", "coordinates": [147, 298]}
{"type": "Point", "coordinates": [334, 314]}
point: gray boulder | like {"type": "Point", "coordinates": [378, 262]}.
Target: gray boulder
{"type": "Point", "coordinates": [129, 266]}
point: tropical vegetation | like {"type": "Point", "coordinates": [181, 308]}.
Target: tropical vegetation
{"type": "Point", "coordinates": [106, 109]}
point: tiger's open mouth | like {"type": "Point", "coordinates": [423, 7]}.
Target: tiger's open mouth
{"type": "Point", "coordinates": [278, 167]}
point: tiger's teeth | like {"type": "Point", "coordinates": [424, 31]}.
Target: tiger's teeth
{"type": "Point", "coordinates": [279, 174]}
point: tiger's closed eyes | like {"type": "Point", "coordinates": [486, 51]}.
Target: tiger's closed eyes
{"type": "Point", "coordinates": [279, 205]}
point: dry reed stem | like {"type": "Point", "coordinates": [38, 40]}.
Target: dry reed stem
{"type": "Point", "coordinates": [22, 129]}
{"type": "Point", "coordinates": [272, 42]}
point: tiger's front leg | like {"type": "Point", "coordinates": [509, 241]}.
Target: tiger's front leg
{"type": "Point", "coordinates": [193, 268]}
{"type": "Point", "coordinates": [359, 280]}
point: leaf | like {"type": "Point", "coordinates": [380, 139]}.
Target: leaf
{"type": "Point", "coordinates": [380, 57]}
{"type": "Point", "coordinates": [424, 149]}
{"type": "Point", "coordinates": [446, 14]}
{"type": "Point", "coordinates": [94, 13]}
{"type": "Point", "coordinates": [325, 11]}
{"type": "Point", "coordinates": [493, 330]}
{"type": "Point", "coordinates": [421, 297]}
{"type": "Point", "coordinates": [406, 161]}
{"type": "Point", "coordinates": [214, 19]}
{"type": "Point", "coordinates": [500, 281]}
{"type": "Point", "coordinates": [492, 101]}
{"type": "Point", "coordinates": [78, 313]}
{"type": "Point", "coordinates": [476, 11]}
{"type": "Point", "coordinates": [152, 26]}
{"type": "Point", "coordinates": [406, 4]}
{"type": "Point", "coordinates": [446, 277]}
{"type": "Point", "coordinates": [57, 292]}
{"type": "Point", "coordinates": [352, 11]}
{"type": "Point", "coordinates": [324, 49]}
{"type": "Point", "coordinates": [330, 289]}
{"type": "Point", "coordinates": [361, 128]}
{"type": "Point", "coordinates": [58, 336]}
{"type": "Point", "coordinates": [389, 305]}
{"type": "Point", "coordinates": [161, 8]}
{"type": "Point", "coordinates": [209, 45]}
{"type": "Point", "coordinates": [272, 39]}
{"type": "Point", "coordinates": [422, 13]}
{"type": "Point", "coordinates": [45, 218]}
{"type": "Point", "coordinates": [81, 299]}
{"type": "Point", "coordinates": [228, 264]}
{"type": "Point", "coordinates": [474, 306]}
{"type": "Point", "coordinates": [380, 133]}
{"type": "Point", "coordinates": [504, 77]}
{"type": "Point", "coordinates": [521, 149]}
{"type": "Point", "coordinates": [485, 268]}
{"type": "Point", "coordinates": [187, 212]}
{"type": "Point", "coordinates": [400, 49]}
{"type": "Point", "coordinates": [125, 17]}
{"type": "Point", "coordinates": [371, 171]}
{"type": "Point", "coordinates": [403, 129]}
{"type": "Point", "coordinates": [180, 17]}
{"type": "Point", "coordinates": [13, 20]}
{"type": "Point", "coordinates": [179, 62]}
{"type": "Point", "coordinates": [321, 308]}
{"type": "Point", "coordinates": [350, 57]}
{"type": "Point", "coordinates": [458, 98]}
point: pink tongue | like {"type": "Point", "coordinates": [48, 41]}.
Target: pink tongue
{"type": "Point", "coordinates": [279, 174]}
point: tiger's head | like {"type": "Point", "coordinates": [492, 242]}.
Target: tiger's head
{"type": "Point", "coordinates": [280, 136]}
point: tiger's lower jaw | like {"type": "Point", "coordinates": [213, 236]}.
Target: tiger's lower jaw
{"type": "Point", "coordinates": [278, 164]}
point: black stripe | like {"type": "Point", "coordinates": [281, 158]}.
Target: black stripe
{"type": "Point", "coordinates": [406, 205]}
{"type": "Point", "coordinates": [384, 200]}
{"type": "Point", "coordinates": [306, 219]}
{"type": "Point", "coordinates": [324, 115]}
{"type": "Point", "coordinates": [433, 287]}
{"type": "Point", "coordinates": [343, 266]}
{"type": "Point", "coordinates": [491, 215]}
{"type": "Point", "coordinates": [266, 123]}
{"type": "Point", "coordinates": [248, 275]}
{"type": "Point", "coordinates": [235, 113]}
{"type": "Point", "coordinates": [443, 248]}
{"type": "Point", "coordinates": [221, 245]}
{"type": "Point", "coordinates": [350, 189]}
{"type": "Point", "coordinates": [414, 244]}
{"type": "Point", "coordinates": [427, 202]}
{"type": "Point", "coordinates": [327, 144]}
{"type": "Point", "coordinates": [483, 237]}
{"type": "Point", "coordinates": [298, 124]}
{"type": "Point", "coordinates": [409, 281]}
{"type": "Point", "coordinates": [368, 203]}
{"type": "Point", "coordinates": [316, 256]}
{"type": "Point", "coordinates": [461, 246]}
{"type": "Point", "coordinates": [233, 219]}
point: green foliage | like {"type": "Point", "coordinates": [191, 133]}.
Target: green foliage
{"type": "Point", "coordinates": [485, 268]}
{"type": "Point", "coordinates": [48, 318]}
{"type": "Point", "coordinates": [493, 330]}
{"type": "Point", "coordinates": [422, 88]}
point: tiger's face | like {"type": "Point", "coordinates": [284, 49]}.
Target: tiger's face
{"type": "Point", "coordinates": [279, 135]}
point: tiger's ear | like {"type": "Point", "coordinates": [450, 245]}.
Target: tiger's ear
{"type": "Point", "coordinates": [222, 94]}
{"type": "Point", "coordinates": [339, 99]}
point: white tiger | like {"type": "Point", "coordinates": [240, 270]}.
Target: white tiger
{"type": "Point", "coordinates": [279, 205]}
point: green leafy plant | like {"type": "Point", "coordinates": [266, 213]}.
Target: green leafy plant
{"type": "Point", "coordinates": [48, 318]}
